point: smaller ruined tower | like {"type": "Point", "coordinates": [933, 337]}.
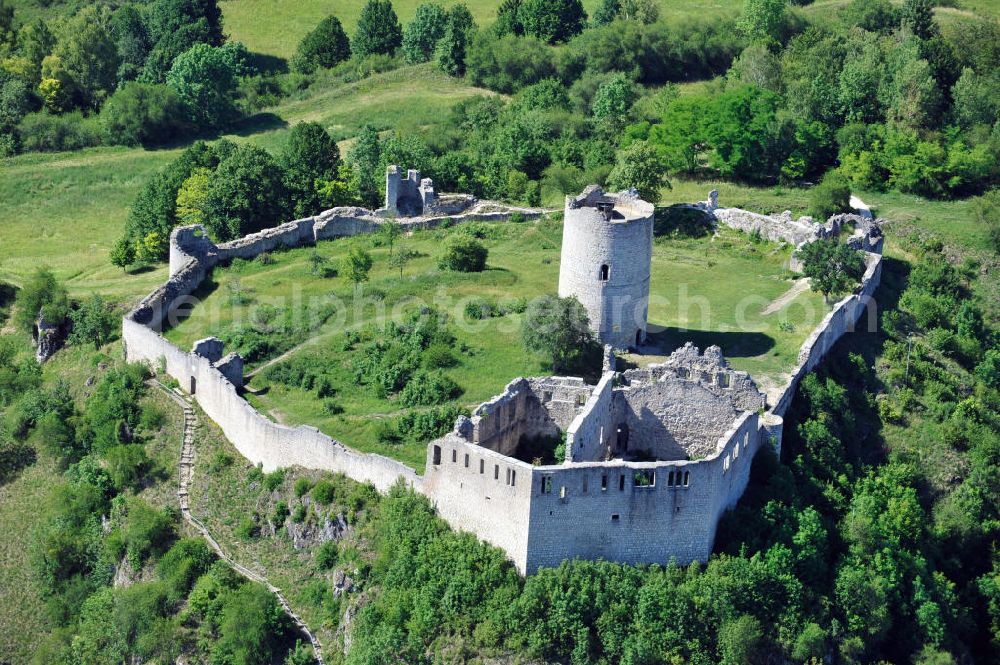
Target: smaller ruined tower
{"type": "Point", "coordinates": [607, 249]}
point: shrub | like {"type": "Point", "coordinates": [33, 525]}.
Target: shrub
{"type": "Point", "coordinates": [428, 389]}
{"type": "Point", "coordinates": [281, 514]}
{"type": "Point", "coordinates": [184, 563]}
{"type": "Point", "coordinates": [273, 480]}
{"type": "Point", "coordinates": [302, 487]}
{"type": "Point", "coordinates": [427, 425]}
{"type": "Point", "coordinates": [831, 196]}
{"type": "Point", "coordinates": [324, 492]}
{"type": "Point", "coordinates": [247, 529]}
{"type": "Point", "coordinates": [478, 309]}
{"type": "Point", "coordinates": [463, 254]}
{"type": "Point", "coordinates": [326, 46]}
{"type": "Point", "coordinates": [326, 555]}
{"type": "Point", "coordinates": [299, 513]}
{"type": "Point", "coordinates": [143, 113]}
{"type": "Point", "coordinates": [507, 64]}
{"type": "Point", "coordinates": [44, 132]}
{"type": "Point", "coordinates": [439, 356]}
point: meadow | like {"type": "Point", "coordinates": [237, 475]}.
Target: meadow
{"type": "Point", "coordinates": [694, 295]}
{"type": "Point", "coordinates": [275, 27]}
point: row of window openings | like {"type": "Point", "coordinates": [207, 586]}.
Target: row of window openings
{"type": "Point", "coordinates": [722, 380]}
{"type": "Point", "coordinates": [727, 462]}
{"type": "Point", "coordinates": [639, 479]}
{"type": "Point", "coordinates": [510, 477]}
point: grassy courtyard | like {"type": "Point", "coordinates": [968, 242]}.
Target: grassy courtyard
{"type": "Point", "coordinates": [710, 290]}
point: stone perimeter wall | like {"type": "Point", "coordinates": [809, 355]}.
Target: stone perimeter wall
{"type": "Point", "coordinates": [538, 515]}
{"type": "Point", "coordinates": [192, 256]}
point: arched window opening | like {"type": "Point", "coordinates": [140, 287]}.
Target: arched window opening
{"type": "Point", "coordinates": [605, 272]}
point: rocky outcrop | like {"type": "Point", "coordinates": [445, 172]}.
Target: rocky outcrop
{"type": "Point", "coordinates": [48, 338]}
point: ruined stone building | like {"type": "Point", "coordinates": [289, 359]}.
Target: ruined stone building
{"type": "Point", "coordinates": [651, 457]}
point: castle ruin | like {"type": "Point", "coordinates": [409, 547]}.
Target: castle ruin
{"type": "Point", "coordinates": [652, 458]}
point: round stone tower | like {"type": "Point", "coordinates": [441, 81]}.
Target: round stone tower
{"type": "Point", "coordinates": [607, 249]}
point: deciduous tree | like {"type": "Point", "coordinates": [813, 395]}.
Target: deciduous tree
{"type": "Point", "coordinates": [556, 327]}
{"type": "Point", "coordinates": [424, 32]}
{"type": "Point", "coordinates": [378, 30]}
{"type": "Point", "coordinates": [325, 46]}
{"type": "Point", "coordinates": [552, 21]}
{"type": "Point", "coordinates": [833, 267]}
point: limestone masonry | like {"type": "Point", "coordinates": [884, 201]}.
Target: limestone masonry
{"type": "Point", "coordinates": [607, 249]}
{"type": "Point", "coordinates": [653, 456]}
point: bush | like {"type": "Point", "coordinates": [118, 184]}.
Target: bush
{"type": "Point", "coordinates": [463, 254]}
{"type": "Point", "coordinates": [507, 64]}
{"type": "Point", "coordinates": [439, 356]}
{"type": "Point", "coordinates": [143, 113]}
{"type": "Point", "coordinates": [247, 529]}
{"type": "Point", "coordinates": [324, 492]}
{"type": "Point", "coordinates": [326, 555]}
{"type": "Point", "coordinates": [281, 514]}
{"type": "Point", "coordinates": [429, 389]}
{"type": "Point", "coordinates": [302, 487]}
{"type": "Point", "coordinates": [424, 426]}
{"type": "Point", "coordinates": [831, 196]}
{"type": "Point", "coordinates": [44, 132]}
{"type": "Point", "coordinates": [273, 480]}
{"type": "Point", "coordinates": [183, 564]}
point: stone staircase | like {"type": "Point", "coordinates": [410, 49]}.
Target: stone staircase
{"type": "Point", "coordinates": [186, 475]}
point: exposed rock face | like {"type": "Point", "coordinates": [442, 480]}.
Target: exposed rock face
{"type": "Point", "coordinates": [48, 338]}
{"type": "Point", "coordinates": [310, 534]}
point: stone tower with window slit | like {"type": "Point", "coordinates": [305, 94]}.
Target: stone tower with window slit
{"type": "Point", "coordinates": [607, 249]}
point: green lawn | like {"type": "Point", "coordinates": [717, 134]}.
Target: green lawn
{"type": "Point", "coordinates": [717, 288]}
{"type": "Point", "coordinates": [404, 100]}
{"type": "Point", "coordinates": [23, 619]}
{"type": "Point", "coordinates": [65, 211]}
{"type": "Point", "coordinates": [275, 27]}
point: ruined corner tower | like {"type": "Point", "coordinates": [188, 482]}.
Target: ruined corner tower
{"type": "Point", "coordinates": [607, 249]}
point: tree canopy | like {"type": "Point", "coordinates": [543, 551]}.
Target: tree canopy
{"type": "Point", "coordinates": [557, 328]}
{"type": "Point", "coordinates": [833, 267]}
{"type": "Point", "coordinates": [378, 30]}
{"type": "Point", "coordinates": [326, 45]}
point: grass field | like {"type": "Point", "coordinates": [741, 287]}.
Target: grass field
{"type": "Point", "coordinates": [23, 619]}
{"type": "Point", "coordinates": [275, 27]}
{"type": "Point", "coordinates": [65, 210]}
{"type": "Point", "coordinates": [694, 287]}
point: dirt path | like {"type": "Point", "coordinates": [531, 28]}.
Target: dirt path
{"type": "Point", "coordinates": [186, 474]}
{"type": "Point", "coordinates": [800, 286]}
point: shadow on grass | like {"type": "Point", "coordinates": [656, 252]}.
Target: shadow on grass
{"type": "Point", "coordinates": [141, 270]}
{"type": "Point", "coordinates": [269, 64]}
{"type": "Point", "coordinates": [681, 221]}
{"type": "Point", "coordinates": [733, 344]}
{"type": "Point", "coordinates": [257, 123]}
